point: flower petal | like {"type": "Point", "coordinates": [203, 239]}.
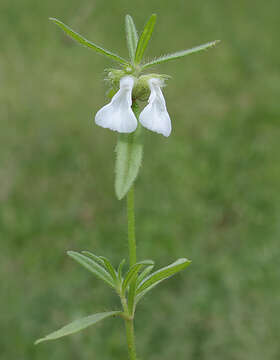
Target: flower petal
{"type": "Point", "coordinates": [155, 116]}
{"type": "Point", "coordinates": [118, 115]}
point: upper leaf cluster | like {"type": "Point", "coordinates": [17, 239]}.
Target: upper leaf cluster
{"type": "Point", "coordinates": [136, 45]}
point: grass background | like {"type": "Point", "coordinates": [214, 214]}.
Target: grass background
{"type": "Point", "coordinates": [210, 192]}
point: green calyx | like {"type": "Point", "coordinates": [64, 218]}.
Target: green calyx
{"type": "Point", "coordinates": [141, 89]}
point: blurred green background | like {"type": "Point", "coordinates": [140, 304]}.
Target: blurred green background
{"type": "Point", "coordinates": [209, 192]}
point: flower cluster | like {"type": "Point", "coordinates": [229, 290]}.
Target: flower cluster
{"type": "Point", "coordinates": [118, 115]}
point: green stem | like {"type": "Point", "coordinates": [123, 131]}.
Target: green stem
{"type": "Point", "coordinates": [131, 226]}
{"type": "Point", "coordinates": [129, 321]}
{"type": "Point", "coordinates": [130, 339]}
{"type": "Point", "coordinates": [129, 325]}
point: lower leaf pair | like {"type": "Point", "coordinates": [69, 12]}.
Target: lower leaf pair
{"type": "Point", "coordinates": [130, 287]}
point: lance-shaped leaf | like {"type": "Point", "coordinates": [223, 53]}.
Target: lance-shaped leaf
{"type": "Point", "coordinates": [180, 54]}
{"type": "Point", "coordinates": [131, 36]}
{"type": "Point", "coordinates": [133, 271]}
{"type": "Point", "coordinates": [144, 38]}
{"type": "Point", "coordinates": [80, 39]}
{"type": "Point", "coordinates": [131, 304]}
{"type": "Point", "coordinates": [158, 276]}
{"type": "Point", "coordinates": [143, 274]}
{"type": "Point", "coordinates": [78, 325]}
{"type": "Point", "coordinates": [94, 257]}
{"type": "Point", "coordinates": [93, 267]}
{"type": "Point", "coordinates": [109, 267]}
{"type": "Point", "coordinates": [120, 270]}
{"type": "Point", "coordinates": [129, 152]}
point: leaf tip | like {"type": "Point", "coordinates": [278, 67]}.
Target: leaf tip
{"type": "Point", "coordinates": [119, 191]}
{"type": "Point", "coordinates": [70, 253]}
{"type": "Point", "coordinates": [216, 42]}
{"type": "Point", "coordinates": [38, 341]}
{"type": "Point", "coordinates": [119, 196]}
{"type": "Point", "coordinates": [148, 262]}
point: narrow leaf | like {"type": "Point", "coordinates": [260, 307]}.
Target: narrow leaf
{"type": "Point", "coordinates": [164, 273]}
{"type": "Point", "coordinates": [92, 266]}
{"type": "Point", "coordinates": [144, 38]}
{"type": "Point", "coordinates": [129, 152]}
{"type": "Point", "coordinates": [78, 325]}
{"type": "Point", "coordinates": [158, 276]}
{"type": "Point", "coordinates": [109, 267]}
{"type": "Point", "coordinates": [120, 270]}
{"type": "Point", "coordinates": [131, 36]}
{"type": "Point", "coordinates": [180, 54]}
{"type": "Point", "coordinates": [94, 257]}
{"type": "Point", "coordinates": [131, 296]}
{"type": "Point", "coordinates": [130, 276]}
{"type": "Point", "coordinates": [144, 273]}
{"type": "Point", "coordinates": [133, 271]}
{"type": "Point", "coordinates": [79, 38]}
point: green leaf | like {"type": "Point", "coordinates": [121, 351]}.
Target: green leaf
{"type": "Point", "coordinates": [180, 54]}
{"type": "Point", "coordinates": [94, 257]}
{"type": "Point", "coordinates": [93, 267]}
{"type": "Point", "coordinates": [130, 276]}
{"type": "Point", "coordinates": [77, 325]}
{"type": "Point", "coordinates": [144, 38]}
{"type": "Point", "coordinates": [144, 273]}
{"type": "Point", "coordinates": [158, 276]}
{"type": "Point", "coordinates": [131, 36]}
{"type": "Point", "coordinates": [129, 152]}
{"type": "Point", "coordinates": [109, 267]}
{"type": "Point", "coordinates": [133, 271]}
{"type": "Point", "coordinates": [131, 296]}
{"type": "Point", "coordinates": [120, 270]}
{"type": "Point", "coordinates": [79, 38]}
{"type": "Point", "coordinates": [130, 282]}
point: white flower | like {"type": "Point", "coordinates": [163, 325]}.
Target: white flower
{"type": "Point", "coordinates": [118, 115]}
{"type": "Point", "coordinates": [155, 116]}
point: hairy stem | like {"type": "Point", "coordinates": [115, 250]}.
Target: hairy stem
{"type": "Point", "coordinates": [129, 321]}
{"type": "Point", "coordinates": [129, 325]}
{"type": "Point", "coordinates": [131, 226]}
